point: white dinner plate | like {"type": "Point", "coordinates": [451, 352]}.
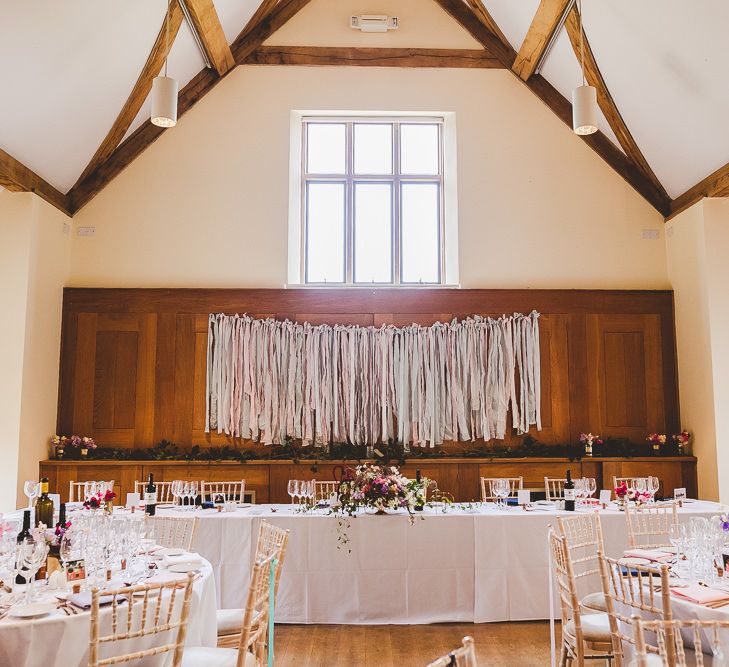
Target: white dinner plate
{"type": "Point", "coordinates": [668, 550]}
{"type": "Point", "coordinates": [170, 551]}
{"type": "Point", "coordinates": [34, 610]}
{"type": "Point", "coordinates": [629, 560]}
{"type": "Point", "coordinates": [184, 568]}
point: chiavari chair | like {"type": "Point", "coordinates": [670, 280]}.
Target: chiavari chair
{"type": "Point", "coordinates": [487, 491]}
{"type": "Point", "coordinates": [161, 615]}
{"type": "Point", "coordinates": [554, 488]}
{"type": "Point", "coordinates": [632, 590]}
{"type": "Point", "coordinates": [272, 541]}
{"type": "Point", "coordinates": [584, 636]}
{"type": "Point", "coordinates": [649, 525]}
{"type": "Point", "coordinates": [176, 532]}
{"type": "Point", "coordinates": [232, 491]}
{"type": "Point", "coordinates": [324, 489]}
{"type": "Point", "coordinates": [76, 490]}
{"type": "Point", "coordinates": [252, 649]}
{"type": "Point", "coordinates": [463, 656]}
{"type": "Point", "coordinates": [704, 635]}
{"type": "Point", "coordinates": [164, 491]}
{"type": "Point", "coordinates": [583, 538]}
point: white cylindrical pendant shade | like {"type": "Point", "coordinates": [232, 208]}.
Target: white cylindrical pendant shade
{"type": "Point", "coordinates": [584, 110]}
{"type": "Point", "coordinates": [164, 101]}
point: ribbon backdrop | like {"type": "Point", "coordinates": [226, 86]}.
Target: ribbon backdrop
{"type": "Point", "coordinates": [269, 380]}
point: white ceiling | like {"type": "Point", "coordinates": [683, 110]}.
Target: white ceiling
{"type": "Point", "coordinates": [70, 66]}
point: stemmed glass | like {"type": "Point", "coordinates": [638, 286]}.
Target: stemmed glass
{"type": "Point", "coordinates": [291, 489]}
{"type": "Point", "coordinates": [591, 486]}
{"type": "Point", "coordinates": [640, 484]}
{"type": "Point", "coordinates": [8, 544]}
{"type": "Point", "coordinates": [501, 490]}
{"type": "Point", "coordinates": [192, 493]}
{"type": "Point", "coordinates": [90, 489]}
{"type": "Point", "coordinates": [31, 554]}
{"type": "Point", "coordinates": [652, 486]}
{"type": "Point", "coordinates": [32, 490]}
{"type": "Point", "coordinates": [176, 489]}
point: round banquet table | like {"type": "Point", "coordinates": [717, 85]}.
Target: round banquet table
{"type": "Point", "coordinates": [59, 640]}
{"type": "Point", "coordinates": [455, 567]}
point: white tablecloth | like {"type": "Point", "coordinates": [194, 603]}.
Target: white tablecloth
{"type": "Point", "coordinates": [491, 566]}
{"type": "Point", "coordinates": [62, 641]}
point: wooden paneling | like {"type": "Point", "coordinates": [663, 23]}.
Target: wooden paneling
{"type": "Point", "coordinates": [133, 362]}
{"type": "Point", "coordinates": [457, 477]}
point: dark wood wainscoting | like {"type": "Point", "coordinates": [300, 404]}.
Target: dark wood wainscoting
{"type": "Point", "coordinates": [133, 360]}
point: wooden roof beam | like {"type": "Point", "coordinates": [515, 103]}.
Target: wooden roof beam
{"type": "Point", "coordinates": [206, 24]}
{"type": "Point", "coordinates": [606, 102]}
{"type": "Point", "coordinates": [202, 83]}
{"type": "Point", "coordinates": [139, 93]}
{"type": "Point", "coordinates": [714, 185]}
{"type": "Point", "coordinates": [16, 177]}
{"type": "Point", "coordinates": [546, 22]}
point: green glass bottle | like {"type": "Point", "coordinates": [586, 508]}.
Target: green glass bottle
{"type": "Point", "coordinates": [44, 506]}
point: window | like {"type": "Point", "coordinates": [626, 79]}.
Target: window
{"type": "Point", "coordinates": [372, 209]}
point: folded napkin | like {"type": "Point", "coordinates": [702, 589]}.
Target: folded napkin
{"type": "Point", "coordinates": [193, 560]}
{"type": "Point", "coordinates": [655, 555]}
{"type": "Point", "coordinates": [700, 594]}
{"type": "Point", "coordinates": [83, 600]}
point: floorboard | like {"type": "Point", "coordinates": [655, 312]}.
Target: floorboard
{"type": "Point", "coordinates": [498, 644]}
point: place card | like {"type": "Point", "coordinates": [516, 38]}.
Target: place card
{"type": "Point", "coordinates": [605, 496]}
{"type": "Point", "coordinates": [133, 499]}
{"type": "Point", "coordinates": [679, 494]}
{"type": "Point", "coordinates": [56, 498]}
{"type": "Point", "coordinates": [524, 497]}
{"type": "Point", "coordinates": [76, 569]}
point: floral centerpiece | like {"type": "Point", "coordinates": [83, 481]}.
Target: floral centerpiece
{"type": "Point", "coordinates": [624, 493]}
{"type": "Point", "coordinates": [101, 501]}
{"type": "Point", "coordinates": [376, 487]}
{"type": "Point", "coordinates": [76, 445]}
{"type": "Point", "coordinates": [682, 440]}
{"type": "Point", "coordinates": [588, 439]}
{"type": "Point", "coordinates": [656, 439]}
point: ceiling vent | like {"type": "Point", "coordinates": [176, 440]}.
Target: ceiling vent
{"type": "Point", "coordinates": [373, 22]}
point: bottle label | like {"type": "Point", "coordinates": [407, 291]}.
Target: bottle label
{"type": "Point", "coordinates": [44, 487]}
{"type": "Point", "coordinates": [150, 498]}
{"type": "Point", "coordinates": [569, 494]}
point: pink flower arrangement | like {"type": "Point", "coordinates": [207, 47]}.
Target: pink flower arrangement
{"type": "Point", "coordinates": [95, 502]}
{"type": "Point", "coordinates": [75, 441]}
{"type": "Point", "coordinates": [378, 487]}
{"type": "Point", "coordinates": [588, 440]}
{"type": "Point", "coordinates": [622, 492]}
{"type": "Point", "coordinates": [656, 439]}
{"type": "Point", "coordinates": [682, 439]}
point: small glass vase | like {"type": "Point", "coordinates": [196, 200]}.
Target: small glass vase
{"type": "Point", "coordinates": [84, 452]}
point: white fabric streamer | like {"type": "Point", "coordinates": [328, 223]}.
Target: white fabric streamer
{"type": "Point", "coordinates": [270, 380]}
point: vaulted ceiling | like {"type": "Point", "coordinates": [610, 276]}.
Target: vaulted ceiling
{"type": "Point", "coordinates": [76, 108]}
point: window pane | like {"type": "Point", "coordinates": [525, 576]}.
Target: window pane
{"type": "Point", "coordinates": [419, 149]}
{"type": "Point", "coordinates": [325, 233]}
{"type": "Point", "coordinates": [372, 148]}
{"type": "Point", "coordinates": [326, 148]}
{"type": "Point", "coordinates": [420, 232]}
{"type": "Point", "coordinates": [372, 233]}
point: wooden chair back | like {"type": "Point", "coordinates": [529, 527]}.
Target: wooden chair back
{"type": "Point", "coordinates": [176, 532]}
{"type": "Point", "coordinates": [164, 491]}
{"type": "Point", "coordinates": [630, 591]}
{"type": "Point", "coordinates": [463, 656]}
{"type": "Point", "coordinates": [704, 636]}
{"type": "Point", "coordinates": [161, 613]}
{"type": "Point", "coordinates": [583, 540]}
{"type": "Point", "coordinates": [324, 489]}
{"type": "Point", "coordinates": [233, 491]}
{"type": "Point", "coordinates": [649, 526]}
{"type": "Point", "coordinates": [629, 481]}
{"type": "Point", "coordinates": [487, 492]}
{"type": "Point", "coordinates": [554, 488]}
{"type": "Point", "coordinates": [76, 490]}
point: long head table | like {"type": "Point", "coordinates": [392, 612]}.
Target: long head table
{"type": "Point", "coordinates": [453, 567]}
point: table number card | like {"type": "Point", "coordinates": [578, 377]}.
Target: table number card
{"type": "Point", "coordinates": [679, 494]}
{"type": "Point", "coordinates": [523, 497]}
{"type": "Point", "coordinates": [133, 499]}
{"type": "Point", "coordinates": [76, 570]}
{"type": "Point", "coordinates": [605, 496]}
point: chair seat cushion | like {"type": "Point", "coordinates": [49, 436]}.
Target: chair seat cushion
{"type": "Point", "coordinates": [651, 660]}
{"type": "Point", "coordinates": [204, 656]}
{"type": "Point", "coordinates": [594, 602]}
{"type": "Point", "coordinates": [230, 621]}
{"type": "Point", "coordinates": [595, 628]}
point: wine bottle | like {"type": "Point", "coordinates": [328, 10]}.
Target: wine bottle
{"type": "Point", "coordinates": [150, 496]}
{"type": "Point", "coordinates": [61, 523]}
{"type": "Point", "coordinates": [24, 534]}
{"type": "Point", "coordinates": [569, 493]}
{"type": "Point", "coordinates": [419, 493]}
{"type": "Point", "coordinates": [44, 506]}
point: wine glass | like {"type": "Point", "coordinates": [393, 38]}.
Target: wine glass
{"type": "Point", "coordinates": [640, 484]}
{"type": "Point", "coordinates": [90, 489]}
{"type": "Point", "coordinates": [591, 486]}
{"type": "Point", "coordinates": [291, 489]}
{"type": "Point", "coordinates": [31, 555]}
{"type": "Point", "coordinates": [297, 491]}
{"type": "Point", "coordinates": [32, 490]}
{"type": "Point", "coordinates": [176, 490]}
{"type": "Point", "coordinates": [193, 494]}
{"type": "Point", "coordinates": [653, 486]}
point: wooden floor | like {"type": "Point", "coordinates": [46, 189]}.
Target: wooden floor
{"type": "Point", "coordinates": [498, 644]}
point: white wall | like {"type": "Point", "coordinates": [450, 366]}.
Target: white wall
{"type": "Point", "coordinates": [206, 205]}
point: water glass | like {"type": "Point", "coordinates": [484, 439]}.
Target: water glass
{"type": "Point", "coordinates": [32, 490]}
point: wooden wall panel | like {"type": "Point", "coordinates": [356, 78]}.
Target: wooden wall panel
{"type": "Point", "coordinates": [133, 362]}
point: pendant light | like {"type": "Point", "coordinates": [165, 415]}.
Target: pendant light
{"type": "Point", "coordinates": [584, 97]}
{"type": "Point", "coordinates": [164, 89]}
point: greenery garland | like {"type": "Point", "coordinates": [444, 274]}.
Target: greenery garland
{"type": "Point", "coordinates": [529, 447]}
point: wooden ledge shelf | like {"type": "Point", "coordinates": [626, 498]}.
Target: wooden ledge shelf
{"type": "Point", "coordinates": [458, 475]}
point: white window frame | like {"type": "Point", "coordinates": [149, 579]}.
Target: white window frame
{"type": "Point", "coordinates": [445, 179]}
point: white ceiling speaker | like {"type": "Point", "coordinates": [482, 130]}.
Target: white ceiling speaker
{"type": "Point", "coordinates": [164, 89]}
{"type": "Point", "coordinates": [164, 101]}
{"type": "Point", "coordinates": [374, 22]}
{"type": "Point", "coordinates": [584, 97]}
